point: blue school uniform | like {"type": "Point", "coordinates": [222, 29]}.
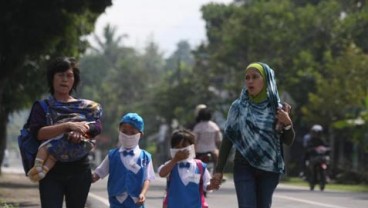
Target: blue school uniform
{"type": "Point", "coordinates": [181, 195]}
{"type": "Point", "coordinates": [121, 180]}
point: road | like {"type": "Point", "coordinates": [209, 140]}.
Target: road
{"type": "Point", "coordinates": [285, 197]}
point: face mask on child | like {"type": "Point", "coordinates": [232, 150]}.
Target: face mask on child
{"type": "Point", "coordinates": [129, 141]}
{"type": "Point", "coordinates": [190, 148]}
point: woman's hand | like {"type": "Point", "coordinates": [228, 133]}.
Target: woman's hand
{"type": "Point", "coordinates": [282, 115]}
{"type": "Point", "coordinates": [81, 127]}
{"type": "Point", "coordinates": [78, 131]}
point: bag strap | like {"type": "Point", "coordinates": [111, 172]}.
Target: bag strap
{"type": "Point", "coordinates": [200, 167]}
{"type": "Point", "coordinates": [201, 171]}
{"type": "Point", "coordinates": [44, 106]}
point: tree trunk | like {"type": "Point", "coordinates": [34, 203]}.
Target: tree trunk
{"type": "Point", "coordinates": [3, 121]}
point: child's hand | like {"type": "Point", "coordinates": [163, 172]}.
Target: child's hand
{"type": "Point", "coordinates": [181, 155]}
{"type": "Point", "coordinates": [75, 136]}
{"type": "Point", "coordinates": [141, 199]}
{"type": "Point", "coordinates": [215, 181]}
{"type": "Point", "coordinates": [95, 177]}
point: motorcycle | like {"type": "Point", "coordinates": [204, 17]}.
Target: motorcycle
{"type": "Point", "coordinates": [207, 158]}
{"type": "Point", "coordinates": [318, 166]}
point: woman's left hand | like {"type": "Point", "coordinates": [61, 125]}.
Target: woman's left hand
{"type": "Point", "coordinates": [283, 117]}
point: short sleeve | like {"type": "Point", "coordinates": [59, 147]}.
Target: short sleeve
{"type": "Point", "coordinates": [37, 118]}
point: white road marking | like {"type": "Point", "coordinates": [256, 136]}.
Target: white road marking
{"type": "Point", "coordinates": [99, 198]}
{"type": "Point", "coordinates": [307, 201]}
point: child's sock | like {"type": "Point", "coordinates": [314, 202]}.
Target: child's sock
{"type": "Point", "coordinates": [38, 162]}
{"type": "Point", "coordinates": [40, 175]}
{"type": "Point", "coordinates": [36, 168]}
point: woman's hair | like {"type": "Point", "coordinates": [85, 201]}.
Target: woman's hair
{"type": "Point", "coordinates": [182, 136]}
{"type": "Point", "coordinates": [204, 114]}
{"type": "Point", "coordinates": [62, 64]}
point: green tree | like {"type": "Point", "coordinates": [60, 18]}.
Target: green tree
{"type": "Point", "coordinates": [32, 33]}
{"type": "Point", "coordinates": [300, 40]}
{"type": "Point", "coordinates": [182, 54]}
{"type": "Point", "coordinates": [345, 100]}
{"type": "Point", "coordinates": [121, 79]}
{"type": "Point", "coordinates": [101, 65]}
{"type": "Point", "coordinates": [292, 38]}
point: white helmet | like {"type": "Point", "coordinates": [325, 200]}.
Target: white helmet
{"type": "Point", "coordinates": [317, 128]}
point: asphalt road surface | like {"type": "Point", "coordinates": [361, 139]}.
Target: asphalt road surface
{"type": "Point", "coordinates": [285, 197]}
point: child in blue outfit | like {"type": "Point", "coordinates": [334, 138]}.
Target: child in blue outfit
{"type": "Point", "coordinates": [129, 167]}
{"type": "Point", "coordinates": [187, 177]}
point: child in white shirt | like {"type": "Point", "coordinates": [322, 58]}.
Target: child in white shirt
{"type": "Point", "coordinates": [129, 167]}
{"type": "Point", "coordinates": [187, 177]}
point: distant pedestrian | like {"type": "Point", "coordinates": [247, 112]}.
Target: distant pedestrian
{"type": "Point", "coordinates": [191, 125]}
{"type": "Point", "coordinates": [208, 137]}
{"type": "Point", "coordinates": [129, 168]}
{"type": "Point", "coordinates": [187, 178]}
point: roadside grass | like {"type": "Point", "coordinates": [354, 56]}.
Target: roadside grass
{"type": "Point", "coordinates": [330, 186]}
{"type": "Point", "coordinates": [3, 204]}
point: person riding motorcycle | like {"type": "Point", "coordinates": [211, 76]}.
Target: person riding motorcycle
{"type": "Point", "coordinates": [315, 148]}
{"type": "Point", "coordinates": [208, 137]}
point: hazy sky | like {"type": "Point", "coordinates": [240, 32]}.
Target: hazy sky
{"type": "Point", "coordinates": [166, 22]}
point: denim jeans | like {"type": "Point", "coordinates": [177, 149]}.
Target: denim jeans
{"type": "Point", "coordinates": [74, 186]}
{"type": "Point", "coordinates": [254, 187]}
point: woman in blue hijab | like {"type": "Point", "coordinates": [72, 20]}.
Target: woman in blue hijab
{"type": "Point", "coordinates": [257, 125]}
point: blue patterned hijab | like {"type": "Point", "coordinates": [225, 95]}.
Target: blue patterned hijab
{"type": "Point", "coordinates": [78, 110]}
{"type": "Point", "coordinates": [251, 127]}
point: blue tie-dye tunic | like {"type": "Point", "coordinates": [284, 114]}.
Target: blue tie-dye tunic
{"type": "Point", "coordinates": [251, 128]}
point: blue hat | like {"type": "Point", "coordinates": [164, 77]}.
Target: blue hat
{"type": "Point", "coordinates": [133, 119]}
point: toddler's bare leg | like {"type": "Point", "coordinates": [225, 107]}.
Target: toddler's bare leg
{"type": "Point", "coordinates": [42, 153]}
{"type": "Point", "coordinates": [40, 158]}
{"type": "Point", "coordinates": [50, 162]}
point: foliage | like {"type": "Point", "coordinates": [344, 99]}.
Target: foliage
{"type": "Point", "coordinates": [300, 41]}
{"type": "Point", "coordinates": [32, 33]}
{"type": "Point", "coordinates": [120, 79]}
{"type": "Point", "coordinates": [347, 74]}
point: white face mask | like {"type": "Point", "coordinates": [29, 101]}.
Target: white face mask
{"type": "Point", "coordinates": [190, 148]}
{"type": "Point", "coordinates": [129, 141]}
